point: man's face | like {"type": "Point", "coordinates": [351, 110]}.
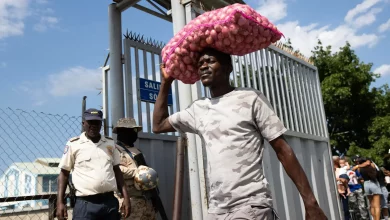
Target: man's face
{"type": "Point", "coordinates": [127, 135]}
{"type": "Point", "coordinates": [210, 70]}
{"type": "Point", "coordinates": [92, 127]}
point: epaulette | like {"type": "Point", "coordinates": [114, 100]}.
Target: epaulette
{"type": "Point", "coordinates": [109, 138]}
{"type": "Point", "coordinates": [74, 139]}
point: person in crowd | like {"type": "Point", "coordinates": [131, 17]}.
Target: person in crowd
{"type": "Point", "coordinates": [94, 163]}
{"type": "Point", "coordinates": [372, 188]}
{"type": "Point", "coordinates": [342, 187]}
{"type": "Point", "coordinates": [233, 124]}
{"type": "Point", "coordinates": [356, 199]}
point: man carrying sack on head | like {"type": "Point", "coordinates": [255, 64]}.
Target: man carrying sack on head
{"type": "Point", "coordinates": [133, 172]}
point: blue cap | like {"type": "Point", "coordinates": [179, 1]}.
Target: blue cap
{"type": "Point", "coordinates": [93, 114]}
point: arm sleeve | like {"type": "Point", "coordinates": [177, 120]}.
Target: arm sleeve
{"type": "Point", "coordinates": [67, 160]}
{"type": "Point", "coordinates": [184, 121]}
{"type": "Point", "coordinates": [128, 172]}
{"type": "Point", "coordinates": [116, 157]}
{"type": "Point", "coordinates": [266, 120]}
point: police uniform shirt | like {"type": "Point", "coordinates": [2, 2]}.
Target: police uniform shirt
{"type": "Point", "coordinates": [91, 164]}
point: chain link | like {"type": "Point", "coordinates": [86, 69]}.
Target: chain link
{"type": "Point", "coordinates": [31, 145]}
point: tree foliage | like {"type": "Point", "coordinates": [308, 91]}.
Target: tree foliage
{"type": "Point", "coordinates": [358, 116]}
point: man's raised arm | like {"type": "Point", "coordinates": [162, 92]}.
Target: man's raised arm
{"type": "Point", "coordinates": [160, 113]}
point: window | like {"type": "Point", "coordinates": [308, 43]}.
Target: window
{"type": "Point", "coordinates": [27, 184]}
{"type": "Point", "coordinates": [49, 184]}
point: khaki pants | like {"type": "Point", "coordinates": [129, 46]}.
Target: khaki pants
{"type": "Point", "coordinates": [246, 212]}
{"type": "Point", "coordinates": [141, 209]}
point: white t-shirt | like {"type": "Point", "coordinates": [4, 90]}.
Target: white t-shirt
{"type": "Point", "coordinates": [233, 128]}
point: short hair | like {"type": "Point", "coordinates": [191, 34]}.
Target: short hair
{"type": "Point", "coordinates": [224, 58]}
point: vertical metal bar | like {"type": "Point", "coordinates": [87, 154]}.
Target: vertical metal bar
{"type": "Point", "coordinates": [282, 78]}
{"type": "Point", "coordinates": [254, 75]}
{"type": "Point", "coordinates": [116, 69]}
{"type": "Point", "coordinates": [296, 94]}
{"type": "Point", "coordinates": [84, 108]}
{"type": "Point", "coordinates": [179, 177]}
{"type": "Point", "coordinates": [153, 66]}
{"type": "Point", "coordinates": [128, 78]}
{"type": "Point", "coordinates": [301, 102]}
{"type": "Point", "coordinates": [264, 63]}
{"type": "Point", "coordinates": [136, 57]}
{"type": "Point", "coordinates": [234, 71]}
{"type": "Point", "coordinates": [247, 74]}
{"type": "Point", "coordinates": [324, 128]}
{"type": "Point", "coordinates": [106, 116]}
{"type": "Point", "coordinates": [287, 94]}
{"type": "Point", "coordinates": [146, 76]}
{"type": "Point", "coordinates": [316, 116]}
{"type": "Point", "coordinates": [241, 72]}
{"type": "Point", "coordinates": [305, 100]}
{"type": "Point", "coordinates": [291, 93]}
{"type": "Point", "coordinates": [309, 101]}
{"type": "Point", "coordinates": [271, 81]}
{"type": "Point", "coordinates": [182, 14]}
{"type": "Point", "coordinates": [259, 72]}
{"type": "Point", "coordinates": [277, 80]}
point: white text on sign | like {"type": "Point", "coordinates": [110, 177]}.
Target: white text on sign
{"type": "Point", "coordinates": [151, 85]}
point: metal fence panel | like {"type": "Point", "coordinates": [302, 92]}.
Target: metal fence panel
{"type": "Point", "coordinates": [31, 144]}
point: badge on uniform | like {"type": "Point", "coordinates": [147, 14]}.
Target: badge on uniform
{"type": "Point", "coordinates": [66, 149]}
{"type": "Point", "coordinates": [110, 150]}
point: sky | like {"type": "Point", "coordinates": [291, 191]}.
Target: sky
{"type": "Point", "coordinates": [51, 51]}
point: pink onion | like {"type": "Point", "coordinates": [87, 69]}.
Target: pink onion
{"type": "Point", "coordinates": [218, 44]}
{"type": "Point", "coordinates": [226, 41]}
{"type": "Point", "coordinates": [225, 30]}
{"type": "Point", "coordinates": [187, 60]}
{"type": "Point", "coordinates": [218, 28]}
{"type": "Point", "coordinates": [242, 21]}
{"type": "Point", "coordinates": [214, 34]}
{"type": "Point", "coordinates": [249, 39]}
{"type": "Point", "coordinates": [239, 39]}
{"type": "Point", "coordinates": [209, 40]}
{"type": "Point", "coordinates": [194, 47]}
{"type": "Point", "coordinates": [233, 28]}
{"type": "Point", "coordinates": [203, 43]}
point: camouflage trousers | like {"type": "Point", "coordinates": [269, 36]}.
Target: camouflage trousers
{"type": "Point", "coordinates": [141, 209]}
{"type": "Point", "coordinates": [357, 203]}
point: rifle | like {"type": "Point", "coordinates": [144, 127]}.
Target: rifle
{"type": "Point", "coordinates": [152, 194]}
{"type": "Point", "coordinates": [72, 193]}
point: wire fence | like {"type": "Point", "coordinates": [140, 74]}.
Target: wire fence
{"type": "Point", "coordinates": [31, 145]}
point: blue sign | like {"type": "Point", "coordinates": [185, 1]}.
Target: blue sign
{"type": "Point", "coordinates": [149, 91]}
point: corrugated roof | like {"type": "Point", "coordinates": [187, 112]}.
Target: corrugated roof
{"type": "Point", "coordinates": [208, 4]}
{"type": "Point", "coordinates": [38, 168]}
{"type": "Point", "coordinates": [49, 159]}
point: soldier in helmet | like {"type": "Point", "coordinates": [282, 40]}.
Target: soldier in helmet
{"type": "Point", "coordinates": [135, 177]}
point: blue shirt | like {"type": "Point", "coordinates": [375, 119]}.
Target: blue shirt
{"type": "Point", "coordinates": [354, 187]}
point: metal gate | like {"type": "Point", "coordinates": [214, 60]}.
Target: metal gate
{"type": "Point", "coordinates": [293, 88]}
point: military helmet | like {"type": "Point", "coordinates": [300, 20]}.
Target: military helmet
{"type": "Point", "coordinates": [145, 178]}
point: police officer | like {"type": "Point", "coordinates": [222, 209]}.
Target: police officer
{"type": "Point", "coordinates": [127, 133]}
{"type": "Point", "coordinates": [94, 162]}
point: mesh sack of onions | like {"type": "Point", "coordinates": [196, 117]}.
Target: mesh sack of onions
{"type": "Point", "coordinates": [235, 29]}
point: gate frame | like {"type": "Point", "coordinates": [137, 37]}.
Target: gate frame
{"type": "Point", "coordinates": [182, 12]}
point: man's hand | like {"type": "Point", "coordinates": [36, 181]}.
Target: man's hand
{"type": "Point", "coordinates": [314, 212]}
{"type": "Point", "coordinates": [164, 76]}
{"type": "Point", "coordinates": [126, 208]}
{"type": "Point", "coordinates": [62, 212]}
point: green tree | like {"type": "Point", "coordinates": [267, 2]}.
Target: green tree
{"type": "Point", "coordinates": [349, 102]}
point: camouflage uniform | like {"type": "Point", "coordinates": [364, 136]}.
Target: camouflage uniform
{"type": "Point", "coordinates": [357, 203]}
{"type": "Point", "coordinates": [141, 209]}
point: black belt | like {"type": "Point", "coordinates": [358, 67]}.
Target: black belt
{"type": "Point", "coordinates": [97, 198]}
